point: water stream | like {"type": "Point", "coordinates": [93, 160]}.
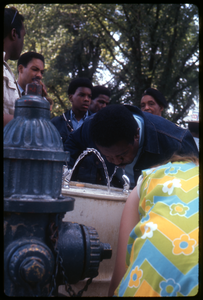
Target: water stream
{"type": "Point", "coordinates": [67, 173]}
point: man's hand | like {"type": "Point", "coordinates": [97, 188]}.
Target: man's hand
{"type": "Point", "coordinates": [44, 89]}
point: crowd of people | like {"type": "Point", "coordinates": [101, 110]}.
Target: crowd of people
{"type": "Point", "coordinates": [135, 140]}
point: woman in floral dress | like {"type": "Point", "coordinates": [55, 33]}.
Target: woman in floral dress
{"type": "Point", "coordinates": [159, 229]}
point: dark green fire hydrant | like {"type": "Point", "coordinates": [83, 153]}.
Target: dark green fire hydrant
{"type": "Point", "coordinates": [41, 251]}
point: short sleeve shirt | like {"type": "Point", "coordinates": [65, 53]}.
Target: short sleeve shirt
{"type": "Point", "coordinates": [10, 89]}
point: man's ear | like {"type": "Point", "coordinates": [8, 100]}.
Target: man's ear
{"type": "Point", "coordinates": [20, 69]}
{"type": "Point", "coordinates": [161, 107]}
{"type": "Point", "coordinates": [137, 133]}
{"type": "Point", "coordinates": [13, 34]}
{"type": "Point", "coordinates": [70, 97]}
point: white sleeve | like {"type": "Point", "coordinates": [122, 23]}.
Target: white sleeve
{"type": "Point", "coordinates": [139, 182]}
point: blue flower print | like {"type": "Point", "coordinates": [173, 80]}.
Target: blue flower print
{"type": "Point", "coordinates": [144, 219]}
{"type": "Point", "coordinates": [169, 288]}
{"type": "Point", "coordinates": [172, 170]}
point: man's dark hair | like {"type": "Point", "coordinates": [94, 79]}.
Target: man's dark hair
{"type": "Point", "coordinates": [112, 124]}
{"type": "Point", "coordinates": [12, 20]}
{"type": "Point", "coordinates": [79, 82]}
{"type": "Point", "coordinates": [100, 90]}
{"type": "Point", "coordinates": [26, 57]}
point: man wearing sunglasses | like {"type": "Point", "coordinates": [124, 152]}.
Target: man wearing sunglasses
{"type": "Point", "coordinates": [14, 33]}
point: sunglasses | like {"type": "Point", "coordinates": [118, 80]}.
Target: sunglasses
{"type": "Point", "coordinates": [16, 11]}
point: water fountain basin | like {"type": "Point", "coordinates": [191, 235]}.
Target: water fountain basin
{"type": "Point", "coordinates": [97, 207]}
{"type": "Point", "coordinates": [94, 190]}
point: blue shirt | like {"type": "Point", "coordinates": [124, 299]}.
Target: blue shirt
{"type": "Point", "coordinates": [76, 124]}
{"type": "Point", "coordinates": [21, 90]}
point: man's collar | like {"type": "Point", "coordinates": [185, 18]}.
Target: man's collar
{"type": "Point", "coordinates": [151, 143]}
{"type": "Point", "coordinates": [21, 90]}
{"type": "Point", "coordinates": [72, 115]}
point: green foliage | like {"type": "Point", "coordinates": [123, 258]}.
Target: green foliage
{"type": "Point", "coordinates": [140, 45]}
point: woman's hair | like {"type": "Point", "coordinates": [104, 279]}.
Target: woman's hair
{"type": "Point", "coordinates": [178, 157]}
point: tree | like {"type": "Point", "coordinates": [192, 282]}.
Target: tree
{"type": "Point", "coordinates": [158, 44]}
{"type": "Point", "coordinates": [141, 45]}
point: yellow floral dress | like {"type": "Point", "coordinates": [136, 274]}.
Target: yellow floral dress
{"type": "Point", "coordinates": [162, 252]}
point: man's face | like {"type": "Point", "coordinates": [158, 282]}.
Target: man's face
{"type": "Point", "coordinates": [99, 102]}
{"type": "Point", "coordinates": [148, 104]}
{"type": "Point", "coordinates": [122, 153]}
{"type": "Point", "coordinates": [34, 69]}
{"type": "Point", "coordinates": [81, 100]}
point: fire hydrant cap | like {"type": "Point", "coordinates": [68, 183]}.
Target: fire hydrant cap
{"type": "Point", "coordinates": [32, 101]}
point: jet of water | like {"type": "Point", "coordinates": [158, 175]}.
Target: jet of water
{"type": "Point", "coordinates": [67, 173]}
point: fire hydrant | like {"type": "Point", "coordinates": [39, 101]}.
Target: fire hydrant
{"type": "Point", "coordinates": [41, 251]}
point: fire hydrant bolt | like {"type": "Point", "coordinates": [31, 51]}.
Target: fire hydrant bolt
{"type": "Point", "coordinates": [32, 270]}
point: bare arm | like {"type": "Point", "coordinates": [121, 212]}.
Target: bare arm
{"type": "Point", "coordinates": [7, 118]}
{"type": "Point", "coordinates": [130, 217]}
